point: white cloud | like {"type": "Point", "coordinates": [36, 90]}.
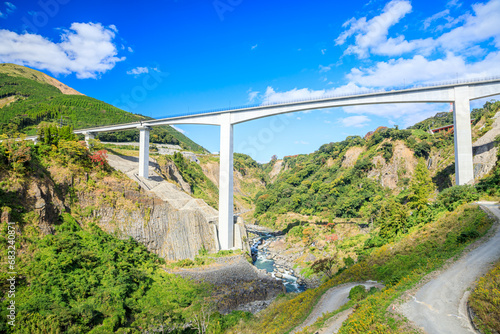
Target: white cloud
{"type": "Point", "coordinates": [370, 34]}
{"type": "Point", "coordinates": [254, 46]}
{"type": "Point", "coordinates": [355, 121]}
{"type": "Point", "coordinates": [138, 70]}
{"type": "Point", "coordinates": [371, 37]}
{"type": "Point", "coordinates": [323, 69]}
{"type": "Point", "coordinates": [2, 15]}
{"type": "Point", "coordinates": [86, 49]}
{"type": "Point", "coordinates": [418, 69]}
{"type": "Point", "coordinates": [323, 51]}
{"type": "Point", "coordinates": [482, 26]}
{"type": "Point", "coordinates": [10, 7]}
{"type": "Point", "coordinates": [179, 129]}
{"type": "Point", "coordinates": [437, 16]}
{"type": "Point", "coordinates": [301, 142]}
{"type": "Point", "coordinates": [252, 96]}
{"type": "Point", "coordinates": [295, 94]}
{"type": "Point", "coordinates": [129, 49]}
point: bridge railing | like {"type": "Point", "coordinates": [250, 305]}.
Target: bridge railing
{"type": "Point", "coordinates": [325, 97]}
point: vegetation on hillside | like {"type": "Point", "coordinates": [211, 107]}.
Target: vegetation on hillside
{"type": "Point", "coordinates": [485, 299]}
{"type": "Point", "coordinates": [414, 228]}
{"type": "Point", "coordinates": [34, 102]}
{"type": "Point", "coordinates": [399, 264]}
{"type": "Point", "coordinates": [71, 276]}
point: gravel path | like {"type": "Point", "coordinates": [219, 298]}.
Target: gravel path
{"type": "Point", "coordinates": [440, 305]}
{"type": "Point", "coordinates": [332, 300]}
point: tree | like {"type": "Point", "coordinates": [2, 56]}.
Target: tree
{"type": "Point", "coordinates": [325, 266]}
{"type": "Point", "coordinates": [421, 187]}
{"type": "Point", "coordinates": [393, 220]}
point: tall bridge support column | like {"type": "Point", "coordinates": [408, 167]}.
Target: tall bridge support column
{"type": "Point", "coordinates": [464, 168]}
{"type": "Point", "coordinates": [89, 136]}
{"type": "Point", "coordinates": [226, 222]}
{"type": "Point", "coordinates": [144, 152]}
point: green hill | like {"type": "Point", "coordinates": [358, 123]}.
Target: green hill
{"type": "Point", "coordinates": [28, 97]}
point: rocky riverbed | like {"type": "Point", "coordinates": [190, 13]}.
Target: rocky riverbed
{"type": "Point", "coordinates": [237, 284]}
{"type": "Point", "coordinates": [272, 257]}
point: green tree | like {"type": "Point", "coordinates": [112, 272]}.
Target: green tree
{"type": "Point", "coordinates": [393, 220]}
{"type": "Point", "coordinates": [421, 187]}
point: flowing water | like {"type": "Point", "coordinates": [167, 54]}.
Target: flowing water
{"type": "Point", "coordinates": [262, 262]}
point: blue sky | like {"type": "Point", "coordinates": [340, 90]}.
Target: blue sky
{"type": "Point", "coordinates": [168, 57]}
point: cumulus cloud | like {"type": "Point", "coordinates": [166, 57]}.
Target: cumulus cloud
{"type": "Point", "coordinates": [355, 121]}
{"type": "Point", "coordinates": [86, 49]}
{"type": "Point", "coordinates": [296, 94]}
{"type": "Point", "coordinates": [138, 70]}
{"type": "Point", "coordinates": [369, 34]}
{"type": "Point", "coordinates": [482, 26]}
{"type": "Point", "coordinates": [420, 70]}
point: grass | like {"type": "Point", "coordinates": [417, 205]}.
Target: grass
{"type": "Point", "coordinates": [203, 258]}
{"type": "Point", "coordinates": [400, 265]}
{"type": "Point", "coordinates": [485, 301]}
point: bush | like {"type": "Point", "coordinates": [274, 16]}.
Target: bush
{"type": "Point", "coordinates": [454, 196]}
{"type": "Point", "coordinates": [358, 293]}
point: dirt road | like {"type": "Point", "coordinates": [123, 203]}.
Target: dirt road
{"type": "Point", "coordinates": [440, 305]}
{"type": "Point", "coordinates": [332, 300]}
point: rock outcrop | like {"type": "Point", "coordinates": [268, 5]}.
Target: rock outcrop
{"type": "Point", "coordinates": [485, 150]}
{"type": "Point", "coordinates": [169, 222]}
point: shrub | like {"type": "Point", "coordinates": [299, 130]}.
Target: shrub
{"type": "Point", "coordinates": [454, 196]}
{"type": "Point", "coordinates": [358, 293]}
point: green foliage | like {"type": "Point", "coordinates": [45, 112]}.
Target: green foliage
{"type": "Point", "coordinates": [387, 151]}
{"type": "Point", "coordinates": [421, 187]}
{"type": "Point", "coordinates": [358, 293]}
{"type": "Point", "coordinates": [484, 301]}
{"type": "Point", "coordinates": [393, 220]}
{"type": "Point", "coordinates": [80, 280]}
{"type": "Point", "coordinates": [192, 173]}
{"type": "Point", "coordinates": [324, 266]}
{"type": "Point", "coordinates": [454, 196]}
{"type": "Point", "coordinates": [37, 101]}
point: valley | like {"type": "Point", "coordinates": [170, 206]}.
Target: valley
{"type": "Point", "coordinates": [101, 249]}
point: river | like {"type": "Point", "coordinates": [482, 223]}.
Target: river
{"type": "Point", "coordinates": [261, 255]}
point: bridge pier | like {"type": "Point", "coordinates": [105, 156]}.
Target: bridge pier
{"type": "Point", "coordinates": [144, 151]}
{"type": "Point", "coordinates": [226, 220]}
{"type": "Point", "coordinates": [464, 167]}
{"type": "Point", "coordinates": [89, 136]}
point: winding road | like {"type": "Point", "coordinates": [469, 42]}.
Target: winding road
{"type": "Point", "coordinates": [332, 300]}
{"type": "Point", "coordinates": [440, 306]}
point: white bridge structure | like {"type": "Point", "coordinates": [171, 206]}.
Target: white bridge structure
{"type": "Point", "coordinates": [460, 94]}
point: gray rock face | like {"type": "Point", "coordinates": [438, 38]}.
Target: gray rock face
{"type": "Point", "coordinates": [171, 172]}
{"type": "Point", "coordinates": [170, 233]}
{"type": "Point", "coordinates": [165, 219]}
{"type": "Point", "coordinates": [168, 221]}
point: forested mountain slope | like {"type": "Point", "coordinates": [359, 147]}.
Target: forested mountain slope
{"type": "Point", "coordinates": [28, 97]}
{"type": "Point", "coordinates": [353, 178]}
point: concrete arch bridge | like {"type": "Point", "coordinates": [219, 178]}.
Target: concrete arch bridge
{"type": "Point", "coordinates": [459, 94]}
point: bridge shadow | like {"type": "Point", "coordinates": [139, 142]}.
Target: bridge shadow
{"type": "Point", "coordinates": [483, 148]}
{"type": "Point", "coordinates": [442, 179]}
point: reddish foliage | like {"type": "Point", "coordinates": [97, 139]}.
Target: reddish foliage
{"type": "Point", "coordinates": [100, 157]}
{"type": "Point", "coordinates": [332, 237]}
